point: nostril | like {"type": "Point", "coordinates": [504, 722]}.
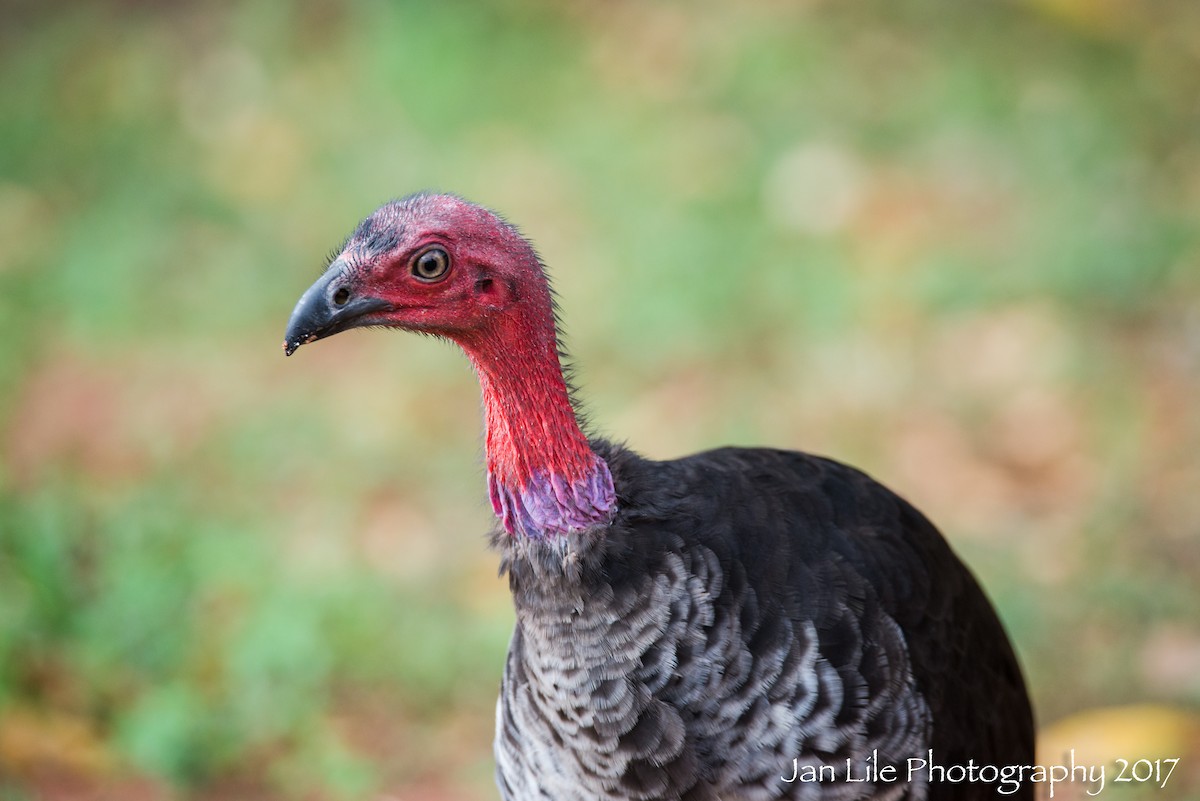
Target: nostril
{"type": "Point", "coordinates": [341, 296]}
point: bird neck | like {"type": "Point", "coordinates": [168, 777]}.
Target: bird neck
{"type": "Point", "coordinates": [544, 479]}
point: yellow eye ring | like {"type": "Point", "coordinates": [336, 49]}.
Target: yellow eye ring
{"type": "Point", "coordinates": [431, 264]}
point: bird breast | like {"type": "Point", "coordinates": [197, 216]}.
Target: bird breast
{"type": "Point", "coordinates": [673, 683]}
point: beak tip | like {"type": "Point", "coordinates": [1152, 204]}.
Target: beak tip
{"type": "Point", "coordinates": [291, 343]}
{"type": "Point", "coordinates": [317, 316]}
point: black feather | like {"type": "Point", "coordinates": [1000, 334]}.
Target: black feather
{"type": "Point", "coordinates": [748, 607]}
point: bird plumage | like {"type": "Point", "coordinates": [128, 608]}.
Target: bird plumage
{"type": "Point", "coordinates": [745, 608]}
{"type": "Point", "coordinates": [703, 628]}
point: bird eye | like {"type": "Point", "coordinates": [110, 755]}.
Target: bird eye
{"type": "Point", "coordinates": [431, 264]}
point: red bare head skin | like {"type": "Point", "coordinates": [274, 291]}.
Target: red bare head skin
{"type": "Point", "coordinates": [440, 265]}
{"type": "Point", "coordinates": [493, 277]}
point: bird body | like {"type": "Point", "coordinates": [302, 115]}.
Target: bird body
{"type": "Point", "coordinates": [744, 609]}
{"type": "Point", "coordinates": [738, 624]}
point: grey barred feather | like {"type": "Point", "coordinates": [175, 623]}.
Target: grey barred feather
{"type": "Point", "coordinates": [745, 609]}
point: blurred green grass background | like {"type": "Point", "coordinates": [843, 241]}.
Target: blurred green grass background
{"type": "Point", "coordinates": [957, 245]}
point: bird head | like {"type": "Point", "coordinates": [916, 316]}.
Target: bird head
{"type": "Point", "coordinates": [435, 264]}
{"type": "Point", "coordinates": [439, 265]}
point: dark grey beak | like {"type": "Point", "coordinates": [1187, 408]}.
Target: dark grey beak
{"type": "Point", "coordinates": [331, 305]}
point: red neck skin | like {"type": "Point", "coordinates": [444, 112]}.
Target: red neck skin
{"type": "Point", "coordinates": [544, 480]}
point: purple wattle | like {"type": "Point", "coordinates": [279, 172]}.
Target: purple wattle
{"type": "Point", "coordinates": [549, 505]}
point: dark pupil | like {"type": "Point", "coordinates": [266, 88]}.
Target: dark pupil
{"type": "Point", "coordinates": [431, 264]}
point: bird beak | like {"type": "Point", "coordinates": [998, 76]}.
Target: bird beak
{"type": "Point", "coordinates": [332, 305]}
